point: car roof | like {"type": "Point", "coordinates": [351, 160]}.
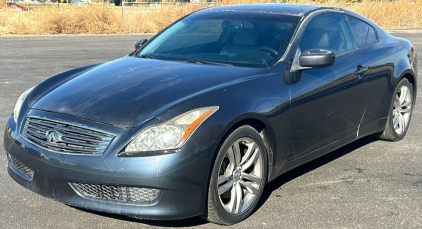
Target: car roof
{"type": "Point", "coordinates": [286, 9]}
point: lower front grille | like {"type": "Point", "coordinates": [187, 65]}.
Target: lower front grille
{"type": "Point", "coordinates": [117, 193]}
{"type": "Point", "coordinates": [21, 167]}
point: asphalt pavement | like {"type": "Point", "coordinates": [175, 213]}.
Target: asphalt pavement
{"type": "Point", "coordinates": [366, 184]}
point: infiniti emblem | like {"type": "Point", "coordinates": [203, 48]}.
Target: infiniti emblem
{"type": "Point", "coordinates": [53, 136]}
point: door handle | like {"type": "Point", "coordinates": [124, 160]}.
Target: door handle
{"type": "Point", "coordinates": [360, 70]}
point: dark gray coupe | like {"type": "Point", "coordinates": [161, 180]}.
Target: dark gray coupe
{"type": "Point", "coordinates": [199, 118]}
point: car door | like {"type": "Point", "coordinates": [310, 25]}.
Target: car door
{"type": "Point", "coordinates": [373, 55]}
{"type": "Point", "coordinates": [328, 103]}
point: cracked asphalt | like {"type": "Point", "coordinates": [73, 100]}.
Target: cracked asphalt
{"type": "Point", "coordinates": [366, 184]}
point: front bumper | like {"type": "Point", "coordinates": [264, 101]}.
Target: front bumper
{"type": "Point", "coordinates": [180, 177]}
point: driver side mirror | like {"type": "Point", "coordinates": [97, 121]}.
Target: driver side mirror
{"type": "Point", "coordinates": [317, 58]}
{"type": "Point", "coordinates": [140, 43]}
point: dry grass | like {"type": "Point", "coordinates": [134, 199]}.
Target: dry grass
{"type": "Point", "coordinates": [102, 19]}
{"type": "Point", "coordinates": [91, 19]}
{"type": "Point", "coordinates": [391, 15]}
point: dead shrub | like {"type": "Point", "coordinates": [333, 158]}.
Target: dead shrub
{"type": "Point", "coordinates": [104, 19]}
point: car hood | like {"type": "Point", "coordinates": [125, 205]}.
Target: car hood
{"type": "Point", "coordinates": [129, 91]}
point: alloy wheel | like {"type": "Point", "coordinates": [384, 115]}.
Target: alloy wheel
{"type": "Point", "coordinates": [402, 109]}
{"type": "Point", "coordinates": [240, 175]}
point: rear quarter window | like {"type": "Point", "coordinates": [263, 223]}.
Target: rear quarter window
{"type": "Point", "coordinates": [362, 32]}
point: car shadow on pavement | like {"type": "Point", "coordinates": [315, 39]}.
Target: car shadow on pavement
{"type": "Point", "coordinates": [314, 164]}
{"type": "Point", "coordinates": [269, 188]}
{"type": "Point", "coordinates": [189, 222]}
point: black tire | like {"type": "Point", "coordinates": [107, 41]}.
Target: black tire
{"type": "Point", "coordinates": [216, 210]}
{"type": "Point", "coordinates": [391, 133]}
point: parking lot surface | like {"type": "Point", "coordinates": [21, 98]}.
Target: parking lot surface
{"type": "Point", "coordinates": [366, 184]}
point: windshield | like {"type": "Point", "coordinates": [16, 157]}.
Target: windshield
{"type": "Point", "coordinates": [239, 39]}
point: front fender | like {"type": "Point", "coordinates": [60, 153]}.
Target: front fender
{"type": "Point", "coordinates": [263, 99]}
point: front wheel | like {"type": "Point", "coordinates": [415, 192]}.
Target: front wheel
{"type": "Point", "coordinates": [238, 177]}
{"type": "Point", "coordinates": [399, 114]}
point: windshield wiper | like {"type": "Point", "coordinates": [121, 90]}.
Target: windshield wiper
{"type": "Point", "coordinates": [146, 56]}
{"type": "Point", "coordinates": [207, 62]}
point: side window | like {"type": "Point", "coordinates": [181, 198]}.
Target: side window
{"type": "Point", "coordinates": [364, 33]}
{"type": "Point", "coordinates": [328, 31]}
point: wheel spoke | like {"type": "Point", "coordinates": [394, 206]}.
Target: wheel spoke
{"type": "Point", "coordinates": [251, 148]}
{"type": "Point", "coordinates": [223, 178]}
{"type": "Point", "coordinates": [239, 195]}
{"type": "Point", "coordinates": [224, 188]}
{"type": "Point", "coordinates": [406, 121]}
{"type": "Point", "coordinates": [395, 121]}
{"type": "Point", "coordinates": [401, 123]}
{"type": "Point", "coordinates": [236, 150]}
{"type": "Point", "coordinates": [251, 160]}
{"type": "Point", "coordinates": [250, 188]}
{"type": "Point", "coordinates": [252, 178]}
{"type": "Point", "coordinates": [406, 104]}
{"type": "Point", "coordinates": [230, 155]}
{"type": "Point", "coordinates": [403, 94]}
{"type": "Point", "coordinates": [397, 100]}
{"type": "Point", "coordinates": [405, 110]}
{"type": "Point", "coordinates": [232, 202]}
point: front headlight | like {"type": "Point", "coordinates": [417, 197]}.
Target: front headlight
{"type": "Point", "coordinates": [18, 104]}
{"type": "Point", "coordinates": [170, 135]}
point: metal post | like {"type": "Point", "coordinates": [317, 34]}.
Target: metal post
{"type": "Point", "coordinates": [123, 9]}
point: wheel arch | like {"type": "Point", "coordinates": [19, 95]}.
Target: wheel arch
{"type": "Point", "coordinates": [262, 126]}
{"type": "Point", "coordinates": [410, 76]}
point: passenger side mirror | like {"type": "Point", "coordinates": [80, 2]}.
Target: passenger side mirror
{"type": "Point", "coordinates": [317, 58]}
{"type": "Point", "coordinates": [140, 43]}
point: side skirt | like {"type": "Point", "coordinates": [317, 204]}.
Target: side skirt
{"type": "Point", "coordinates": [318, 152]}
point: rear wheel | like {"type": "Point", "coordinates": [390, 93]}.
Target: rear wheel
{"type": "Point", "coordinates": [400, 113]}
{"type": "Point", "coordinates": [238, 177]}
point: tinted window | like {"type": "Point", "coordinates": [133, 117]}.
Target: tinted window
{"type": "Point", "coordinates": [328, 31]}
{"type": "Point", "coordinates": [242, 39]}
{"type": "Point", "coordinates": [364, 33]}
